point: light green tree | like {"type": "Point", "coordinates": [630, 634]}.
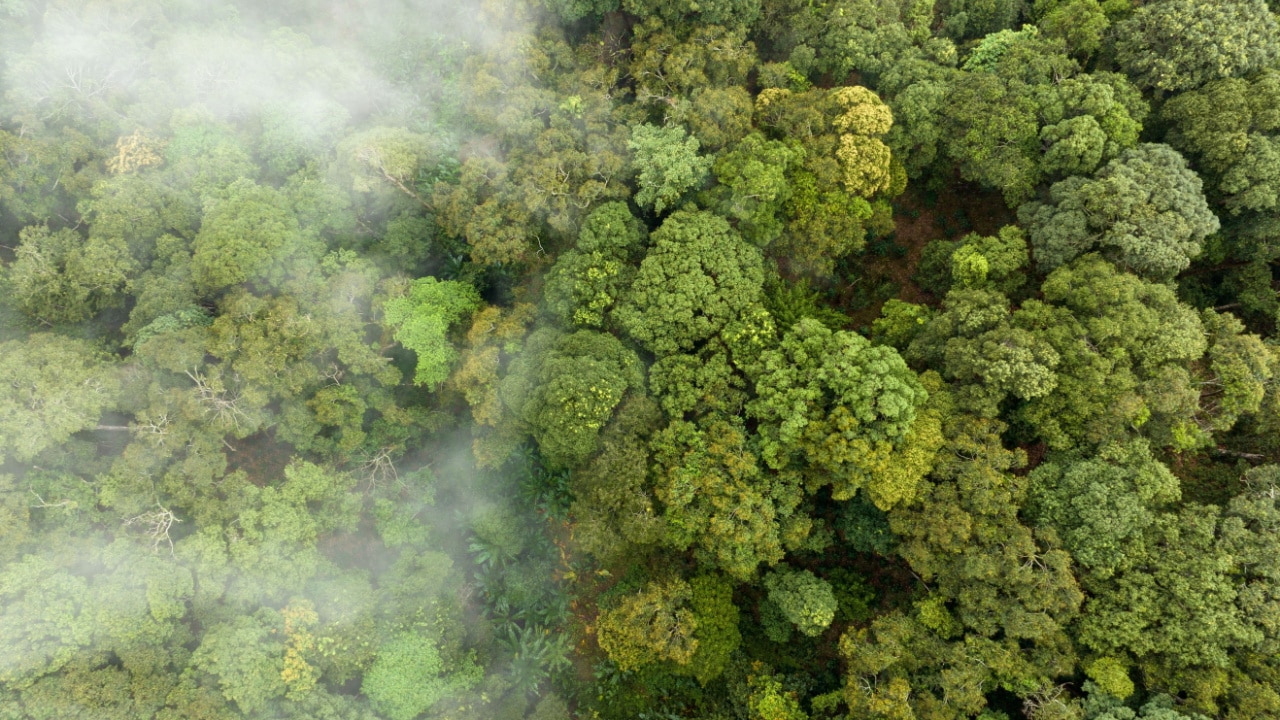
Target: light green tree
{"type": "Point", "coordinates": [246, 233]}
{"type": "Point", "coordinates": [1101, 506]}
{"type": "Point", "coordinates": [805, 599]}
{"type": "Point", "coordinates": [844, 406]}
{"type": "Point", "coordinates": [422, 317]}
{"type": "Point", "coordinates": [667, 163]}
{"type": "Point", "coordinates": [410, 676]}
{"type": "Point", "coordinates": [1230, 129]}
{"type": "Point", "coordinates": [59, 277]}
{"type": "Point", "coordinates": [719, 501]}
{"type": "Point", "coordinates": [246, 656]}
{"type": "Point", "coordinates": [586, 282]}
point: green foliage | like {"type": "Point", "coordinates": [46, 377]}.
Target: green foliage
{"type": "Point", "coordinates": [1111, 677]}
{"type": "Point", "coordinates": [697, 277]}
{"type": "Point", "coordinates": [572, 10]}
{"type": "Point", "coordinates": [1101, 705]}
{"type": "Point", "coordinates": [717, 632]}
{"type": "Point", "coordinates": [844, 406]}
{"type": "Point", "coordinates": [1229, 127]}
{"type": "Point", "coordinates": [790, 302]}
{"type": "Point", "coordinates": [1146, 210]}
{"type": "Point", "coordinates": [410, 676]}
{"type": "Point", "coordinates": [422, 318]}
{"type": "Point", "coordinates": [575, 389]}
{"type": "Point", "coordinates": [993, 46]}
{"type": "Point", "coordinates": [614, 509]}
{"type": "Point", "coordinates": [234, 474]}
{"type": "Point", "coordinates": [709, 12]}
{"type": "Point", "coordinates": [667, 163]}
{"type": "Point", "coordinates": [246, 660]}
{"type": "Point", "coordinates": [1102, 506]}
{"type": "Point", "coordinates": [56, 387]}
{"type": "Point", "coordinates": [1179, 603]}
{"type": "Point", "coordinates": [754, 185]}
{"type": "Point", "coordinates": [246, 234]}
{"type": "Point", "coordinates": [1122, 345]}
{"type": "Point", "coordinates": [719, 499]}
{"type": "Point", "coordinates": [974, 341]}
{"type": "Point", "coordinates": [650, 626]}
{"type": "Point", "coordinates": [586, 282]}
{"type": "Point", "coordinates": [864, 527]}
{"type": "Point", "coordinates": [990, 131]}
{"type": "Point", "coordinates": [806, 600]}
{"type": "Point", "coordinates": [1182, 44]}
{"type": "Point", "coordinates": [1082, 24]}
{"type": "Point", "coordinates": [899, 323]}
{"type": "Point", "coordinates": [770, 701]}
{"type": "Point", "coordinates": [1240, 368]}
{"type": "Point", "coordinates": [58, 277]}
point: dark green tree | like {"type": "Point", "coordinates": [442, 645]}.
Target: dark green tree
{"type": "Point", "coordinates": [1182, 44]}
{"type": "Point", "coordinates": [1145, 210]}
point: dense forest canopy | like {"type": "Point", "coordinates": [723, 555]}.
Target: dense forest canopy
{"type": "Point", "coordinates": [639, 359]}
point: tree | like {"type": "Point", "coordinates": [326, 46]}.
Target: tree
{"type": "Point", "coordinates": [46, 620]}
{"type": "Point", "coordinates": [1182, 44]}
{"type": "Point", "coordinates": [1229, 128]}
{"type": "Point", "coordinates": [719, 500]}
{"type": "Point", "coordinates": [567, 389]}
{"type": "Point", "coordinates": [1082, 24]}
{"type": "Point", "coordinates": [754, 185]}
{"type": "Point", "coordinates": [1123, 344]}
{"type": "Point", "coordinates": [386, 157]}
{"type": "Point", "coordinates": [42, 173]}
{"type": "Point", "coordinates": [246, 234]}
{"type": "Point", "coordinates": [59, 277]}
{"type": "Point", "coordinates": [973, 341]}
{"type": "Point", "coordinates": [669, 68]}
{"type": "Point", "coordinates": [573, 10]}
{"type": "Point", "coordinates": [857, 35]}
{"type": "Point", "coordinates": [718, 117]}
{"type": "Point", "coordinates": [962, 535]}
{"type": "Point", "coordinates": [687, 12]}
{"type": "Point", "coordinates": [717, 632]}
{"type": "Point", "coordinates": [422, 318]}
{"type": "Point", "coordinates": [847, 408]}
{"type": "Point", "coordinates": [1145, 209]}
{"type": "Point", "coordinates": [769, 700]}
{"type": "Point", "coordinates": [1101, 506]}
{"type": "Point", "coordinates": [806, 600]}
{"type": "Point", "coordinates": [587, 281]}
{"type": "Point", "coordinates": [1102, 706]}
{"type": "Point", "coordinates": [668, 165]}
{"type": "Point", "coordinates": [1088, 120]}
{"type": "Point", "coordinates": [844, 163]}
{"type": "Point", "coordinates": [613, 504]}
{"type": "Point", "coordinates": [246, 658]}
{"type": "Point", "coordinates": [841, 131]}
{"type": "Point", "coordinates": [651, 625]}
{"type": "Point", "coordinates": [1240, 369]}
{"type": "Point", "coordinates": [697, 277]}
{"type": "Point", "coordinates": [410, 676]}
{"type": "Point", "coordinates": [1179, 604]}
{"type": "Point", "coordinates": [990, 131]}
{"type": "Point", "coordinates": [56, 387]}
{"type": "Point", "coordinates": [707, 381]}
